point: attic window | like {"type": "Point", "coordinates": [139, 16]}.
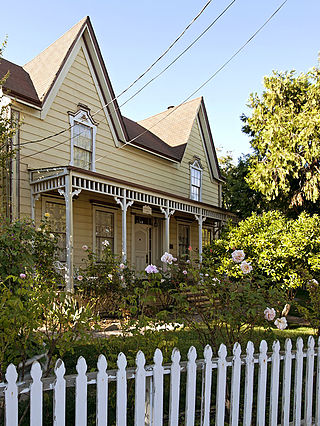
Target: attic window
{"type": "Point", "coordinates": [195, 180]}
{"type": "Point", "coordinates": [83, 136]}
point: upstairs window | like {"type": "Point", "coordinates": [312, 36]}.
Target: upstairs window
{"type": "Point", "coordinates": [195, 180]}
{"type": "Point", "coordinates": [83, 135]}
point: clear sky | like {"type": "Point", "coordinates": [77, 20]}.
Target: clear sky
{"type": "Point", "coordinates": [133, 33]}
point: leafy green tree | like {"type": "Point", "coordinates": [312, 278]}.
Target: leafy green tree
{"type": "Point", "coordinates": [238, 197]}
{"type": "Point", "coordinates": [285, 134]}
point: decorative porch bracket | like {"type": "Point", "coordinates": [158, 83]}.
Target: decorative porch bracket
{"type": "Point", "coordinates": [167, 213]}
{"type": "Point", "coordinates": [68, 195]}
{"type": "Point", "coordinates": [200, 218]}
{"type": "Point", "coordinates": [124, 204]}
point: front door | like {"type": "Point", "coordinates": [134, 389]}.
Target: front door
{"type": "Point", "coordinates": [143, 244]}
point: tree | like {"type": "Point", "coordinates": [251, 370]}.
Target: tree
{"type": "Point", "coordinates": [238, 197]}
{"type": "Point", "coordinates": [7, 130]}
{"type": "Point", "coordinates": [285, 134]}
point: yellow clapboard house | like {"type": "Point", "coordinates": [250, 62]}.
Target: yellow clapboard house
{"type": "Point", "coordinates": [146, 187]}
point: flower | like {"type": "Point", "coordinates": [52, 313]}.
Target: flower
{"type": "Point", "coordinates": [84, 247]}
{"type": "Point", "coordinates": [189, 248]}
{"type": "Point", "coordinates": [188, 261]}
{"type": "Point", "coordinates": [167, 258]}
{"type": "Point", "coordinates": [162, 280]}
{"type": "Point", "coordinates": [269, 314]}
{"type": "Point", "coordinates": [281, 323]}
{"type": "Point", "coordinates": [105, 243]}
{"type": "Point", "coordinates": [122, 266]}
{"type": "Point", "coordinates": [215, 281]}
{"type": "Point", "coordinates": [245, 267]}
{"type": "Point", "coordinates": [206, 275]}
{"type": "Point", "coordinates": [110, 276]}
{"type": "Point", "coordinates": [47, 215]}
{"type": "Point", "coordinates": [174, 259]}
{"type": "Point", "coordinates": [151, 269]}
{"type": "Point", "coordinates": [238, 256]}
{"type": "Point", "coordinates": [51, 236]}
{"type": "Point", "coordinates": [22, 276]}
{"type": "Point", "coordinates": [185, 272]}
{"type": "Point", "coordinates": [79, 277]}
{"type": "Point", "coordinates": [39, 229]}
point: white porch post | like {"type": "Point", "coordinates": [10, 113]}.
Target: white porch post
{"type": "Point", "coordinates": [167, 213]}
{"type": "Point", "coordinates": [68, 195]}
{"type": "Point", "coordinates": [200, 218]}
{"type": "Point", "coordinates": [34, 198]}
{"type": "Point", "coordinates": [124, 207]}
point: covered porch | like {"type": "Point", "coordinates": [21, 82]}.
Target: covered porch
{"type": "Point", "coordinates": [140, 224]}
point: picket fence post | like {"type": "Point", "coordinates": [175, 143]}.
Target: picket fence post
{"type": "Point", "coordinates": [309, 382]}
{"type": "Point", "coordinates": [191, 386]}
{"type": "Point", "coordinates": [274, 385]}
{"type": "Point", "coordinates": [248, 391]}
{"type": "Point", "coordinates": [36, 397]}
{"type": "Point", "coordinates": [207, 383]}
{"type": "Point", "coordinates": [174, 388]}
{"type": "Point", "coordinates": [317, 420]}
{"type": "Point", "coordinates": [221, 385]}
{"type": "Point", "coordinates": [59, 395]}
{"type": "Point", "coordinates": [286, 387]}
{"type": "Point", "coordinates": [121, 415]}
{"type": "Point", "coordinates": [81, 392]}
{"type": "Point", "coordinates": [11, 396]}
{"type": "Point", "coordinates": [102, 392]}
{"type": "Point", "coordinates": [298, 383]}
{"type": "Point", "coordinates": [157, 419]}
{"type": "Point", "coordinates": [262, 384]}
{"type": "Point", "coordinates": [140, 390]}
{"type": "Point", "coordinates": [235, 384]}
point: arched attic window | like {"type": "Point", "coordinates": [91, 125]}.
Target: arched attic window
{"type": "Point", "coordinates": [196, 171]}
{"type": "Point", "coordinates": [83, 138]}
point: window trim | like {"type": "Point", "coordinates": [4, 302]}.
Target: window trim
{"type": "Point", "coordinates": [196, 165]}
{"type": "Point", "coordinates": [107, 210]}
{"type": "Point", "coordinates": [56, 200]}
{"type": "Point", "coordinates": [82, 116]}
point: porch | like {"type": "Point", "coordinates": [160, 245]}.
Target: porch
{"type": "Point", "coordinates": [140, 224]}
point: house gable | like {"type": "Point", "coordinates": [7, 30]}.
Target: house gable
{"type": "Point", "coordinates": [49, 69]}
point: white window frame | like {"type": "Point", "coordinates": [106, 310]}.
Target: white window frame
{"type": "Point", "coordinates": [82, 116]}
{"type": "Point", "coordinates": [107, 210]}
{"type": "Point", "coordinates": [196, 165]}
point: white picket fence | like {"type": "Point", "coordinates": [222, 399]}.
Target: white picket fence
{"type": "Point", "coordinates": [278, 387]}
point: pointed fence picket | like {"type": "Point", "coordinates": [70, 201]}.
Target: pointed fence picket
{"type": "Point", "coordinates": [239, 398]}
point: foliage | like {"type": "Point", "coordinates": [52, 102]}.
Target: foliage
{"type": "Point", "coordinates": [283, 251]}
{"type": "Point", "coordinates": [311, 311]}
{"type": "Point", "coordinates": [285, 129]}
{"type": "Point", "coordinates": [25, 249]}
{"type": "Point", "coordinates": [104, 279]}
{"type": "Point", "coordinates": [238, 197]}
{"type": "Point", "coordinates": [218, 307]}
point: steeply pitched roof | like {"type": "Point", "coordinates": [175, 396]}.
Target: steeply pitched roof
{"type": "Point", "coordinates": [174, 125]}
{"type": "Point", "coordinates": [151, 142]}
{"type": "Point", "coordinates": [18, 83]}
{"type": "Point", "coordinates": [45, 67]}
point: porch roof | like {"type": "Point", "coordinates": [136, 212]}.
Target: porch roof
{"type": "Point", "coordinates": [49, 179]}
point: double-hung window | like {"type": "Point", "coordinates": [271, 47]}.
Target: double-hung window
{"type": "Point", "coordinates": [195, 180]}
{"type": "Point", "coordinates": [104, 230]}
{"type": "Point", "coordinates": [83, 135]}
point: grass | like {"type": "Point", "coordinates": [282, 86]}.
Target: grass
{"type": "Point", "coordinates": [166, 341]}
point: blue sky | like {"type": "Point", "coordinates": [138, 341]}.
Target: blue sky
{"type": "Point", "coordinates": [132, 34]}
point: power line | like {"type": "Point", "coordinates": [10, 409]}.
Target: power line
{"type": "Point", "coordinates": [134, 82]}
{"type": "Point", "coordinates": [193, 93]}
{"type": "Point", "coordinates": [211, 77]}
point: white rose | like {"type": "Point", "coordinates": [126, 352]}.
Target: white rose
{"type": "Point", "coordinates": [245, 267]}
{"type": "Point", "coordinates": [238, 256]}
{"type": "Point", "coordinates": [269, 314]}
{"type": "Point", "coordinates": [281, 323]}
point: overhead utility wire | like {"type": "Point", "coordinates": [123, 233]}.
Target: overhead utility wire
{"type": "Point", "coordinates": [138, 91]}
{"type": "Point", "coordinates": [135, 81]}
{"type": "Point", "coordinates": [211, 77]}
{"type": "Point", "coordinates": [194, 92]}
